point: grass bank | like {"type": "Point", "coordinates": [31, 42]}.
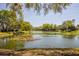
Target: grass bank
{"type": "Point", "coordinates": [76, 32]}
{"type": "Point", "coordinates": [5, 34]}
{"type": "Point", "coordinates": [42, 52]}
{"type": "Point", "coordinates": [25, 36]}
{"type": "Point", "coordinates": [22, 37]}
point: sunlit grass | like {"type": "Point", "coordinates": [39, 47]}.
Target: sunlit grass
{"type": "Point", "coordinates": [76, 32]}
{"type": "Point", "coordinates": [5, 34]}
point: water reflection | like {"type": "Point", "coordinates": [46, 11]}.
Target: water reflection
{"type": "Point", "coordinates": [42, 40]}
{"type": "Point", "coordinates": [7, 43]}
{"type": "Point", "coordinates": [69, 36]}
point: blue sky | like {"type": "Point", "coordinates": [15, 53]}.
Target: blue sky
{"type": "Point", "coordinates": [36, 20]}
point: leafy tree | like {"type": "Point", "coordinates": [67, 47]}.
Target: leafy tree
{"type": "Point", "coordinates": [49, 27]}
{"type": "Point", "coordinates": [46, 7]}
{"type": "Point", "coordinates": [27, 26]}
{"type": "Point", "coordinates": [7, 20]}
{"type": "Point", "coordinates": [77, 27]}
{"type": "Point", "coordinates": [68, 25]}
{"type": "Point", "coordinates": [46, 27]}
{"type": "Point", "coordinates": [24, 26]}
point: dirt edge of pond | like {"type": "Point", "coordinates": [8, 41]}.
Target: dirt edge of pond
{"type": "Point", "coordinates": [41, 52]}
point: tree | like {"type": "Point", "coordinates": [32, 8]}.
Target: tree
{"type": "Point", "coordinates": [68, 25]}
{"type": "Point", "coordinates": [7, 20]}
{"type": "Point", "coordinates": [37, 7]}
{"type": "Point", "coordinates": [49, 27]}
{"type": "Point", "coordinates": [77, 27]}
{"type": "Point", "coordinates": [27, 26]}
{"type": "Point", "coordinates": [16, 7]}
{"type": "Point", "coordinates": [46, 7]}
{"type": "Point", "coordinates": [24, 26]}
{"type": "Point", "coordinates": [46, 27]}
{"type": "Point", "coordinates": [55, 28]}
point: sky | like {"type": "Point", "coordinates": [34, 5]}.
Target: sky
{"type": "Point", "coordinates": [72, 12]}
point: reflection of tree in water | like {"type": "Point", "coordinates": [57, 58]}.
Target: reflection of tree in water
{"type": "Point", "coordinates": [11, 44]}
{"type": "Point", "coordinates": [69, 36]}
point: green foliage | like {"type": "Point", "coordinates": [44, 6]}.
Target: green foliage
{"type": "Point", "coordinates": [24, 26]}
{"type": "Point", "coordinates": [49, 27]}
{"type": "Point", "coordinates": [46, 7]}
{"type": "Point", "coordinates": [68, 25]}
{"type": "Point", "coordinates": [65, 26]}
{"type": "Point", "coordinates": [7, 20]}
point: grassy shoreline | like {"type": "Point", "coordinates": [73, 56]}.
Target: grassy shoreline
{"type": "Point", "coordinates": [71, 33]}
{"type": "Point", "coordinates": [27, 34]}
{"type": "Point", "coordinates": [41, 52]}
{"type": "Point", "coordinates": [5, 34]}
{"type": "Point", "coordinates": [76, 32]}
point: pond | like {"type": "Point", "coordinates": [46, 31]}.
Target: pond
{"type": "Point", "coordinates": [42, 40]}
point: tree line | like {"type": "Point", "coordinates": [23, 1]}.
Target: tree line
{"type": "Point", "coordinates": [9, 22]}
{"type": "Point", "coordinates": [68, 25]}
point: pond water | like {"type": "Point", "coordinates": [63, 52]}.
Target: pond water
{"type": "Point", "coordinates": [42, 41]}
